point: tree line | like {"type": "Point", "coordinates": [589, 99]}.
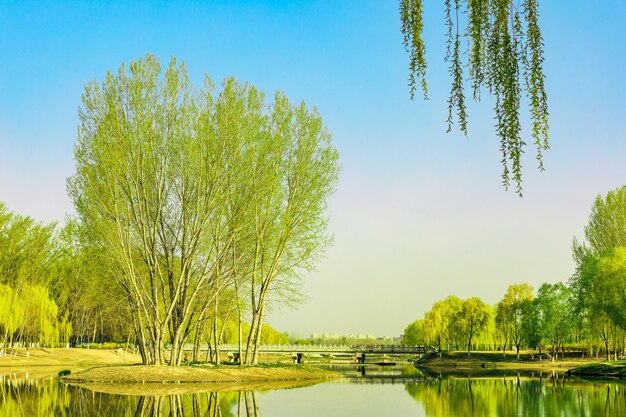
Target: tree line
{"type": "Point", "coordinates": [587, 313]}
{"type": "Point", "coordinates": [55, 292]}
{"type": "Point", "coordinates": [196, 209]}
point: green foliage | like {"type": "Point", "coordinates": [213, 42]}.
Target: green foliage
{"type": "Point", "coordinates": [414, 334]}
{"type": "Point", "coordinates": [269, 335]}
{"type": "Point", "coordinates": [28, 312]}
{"type": "Point", "coordinates": [597, 284]}
{"type": "Point", "coordinates": [510, 312]}
{"type": "Point", "coordinates": [531, 325]}
{"type": "Point", "coordinates": [471, 319]}
{"type": "Point", "coordinates": [438, 321]}
{"type": "Point", "coordinates": [554, 311]}
{"type": "Point", "coordinates": [610, 286]}
{"type": "Point", "coordinates": [504, 56]}
{"type": "Point", "coordinates": [195, 197]}
{"type": "Point", "coordinates": [456, 322]}
{"type": "Point", "coordinates": [606, 228]}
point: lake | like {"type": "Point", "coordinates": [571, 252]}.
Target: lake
{"type": "Point", "coordinates": [370, 391]}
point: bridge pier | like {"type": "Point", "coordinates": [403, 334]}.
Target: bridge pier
{"type": "Point", "coordinates": [298, 357]}
{"type": "Point", "coordinates": [361, 358]}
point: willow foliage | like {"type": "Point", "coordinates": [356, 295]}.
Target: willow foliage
{"type": "Point", "coordinates": [500, 44]}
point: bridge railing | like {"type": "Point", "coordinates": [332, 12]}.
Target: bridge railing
{"type": "Point", "coordinates": [325, 348]}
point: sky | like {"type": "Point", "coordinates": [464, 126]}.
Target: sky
{"type": "Point", "coordinates": [418, 214]}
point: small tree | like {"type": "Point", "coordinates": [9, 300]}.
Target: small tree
{"type": "Point", "coordinates": [471, 319]}
{"type": "Point", "coordinates": [554, 309]}
{"type": "Point", "coordinates": [510, 312]}
{"type": "Point", "coordinates": [610, 286]}
{"type": "Point", "coordinates": [414, 333]}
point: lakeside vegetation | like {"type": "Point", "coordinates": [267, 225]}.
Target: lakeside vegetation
{"type": "Point", "coordinates": [613, 369]}
{"type": "Point", "coordinates": [494, 363]}
{"type": "Point", "coordinates": [586, 315]}
{"type": "Point", "coordinates": [55, 293]}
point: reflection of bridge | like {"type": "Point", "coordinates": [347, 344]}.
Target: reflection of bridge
{"type": "Point", "coordinates": [383, 380]}
{"type": "Point", "coordinates": [297, 351]}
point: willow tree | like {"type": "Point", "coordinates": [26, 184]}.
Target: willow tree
{"type": "Point", "coordinates": [497, 46]}
{"type": "Point", "coordinates": [472, 319]}
{"type": "Point", "coordinates": [510, 313]}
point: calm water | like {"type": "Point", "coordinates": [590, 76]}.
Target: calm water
{"type": "Point", "coordinates": [373, 392]}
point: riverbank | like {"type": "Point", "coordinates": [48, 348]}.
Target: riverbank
{"type": "Point", "coordinates": [77, 358]}
{"type": "Point", "coordinates": [497, 363]}
{"type": "Point", "coordinates": [186, 374]}
{"type": "Point", "coordinates": [605, 369]}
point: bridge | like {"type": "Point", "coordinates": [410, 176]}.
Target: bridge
{"type": "Point", "coordinates": [298, 351]}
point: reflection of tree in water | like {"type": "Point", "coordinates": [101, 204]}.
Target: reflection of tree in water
{"type": "Point", "coordinates": [37, 398]}
{"type": "Point", "coordinates": [504, 397]}
{"type": "Point", "coordinates": [209, 404]}
{"type": "Point", "coordinates": [51, 398]}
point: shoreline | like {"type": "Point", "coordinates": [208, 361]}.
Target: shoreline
{"type": "Point", "coordinates": [495, 363]}
{"type": "Point", "coordinates": [615, 369]}
{"type": "Point", "coordinates": [163, 374]}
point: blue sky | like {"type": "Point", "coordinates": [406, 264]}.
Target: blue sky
{"type": "Point", "coordinates": [419, 214]}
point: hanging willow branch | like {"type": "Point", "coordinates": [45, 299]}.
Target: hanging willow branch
{"type": "Point", "coordinates": [504, 55]}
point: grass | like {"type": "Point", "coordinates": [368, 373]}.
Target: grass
{"type": "Point", "coordinates": [612, 369]}
{"type": "Point", "coordinates": [70, 357]}
{"type": "Point", "coordinates": [192, 387]}
{"type": "Point", "coordinates": [188, 374]}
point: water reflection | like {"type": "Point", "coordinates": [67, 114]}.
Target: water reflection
{"type": "Point", "coordinates": [44, 398]}
{"type": "Point", "coordinates": [378, 391]}
{"type": "Point", "coordinates": [369, 374]}
{"type": "Point", "coordinates": [519, 396]}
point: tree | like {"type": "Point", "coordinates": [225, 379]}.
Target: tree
{"type": "Point", "coordinates": [471, 319]}
{"type": "Point", "coordinates": [504, 55]}
{"type": "Point", "coordinates": [28, 314]}
{"type": "Point", "coordinates": [296, 171]}
{"type": "Point", "coordinates": [438, 321]}
{"type": "Point", "coordinates": [414, 333]}
{"type": "Point", "coordinates": [610, 286]}
{"type": "Point", "coordinates": [606, 228]}
{"type": "Point", "coordinates": [159, 169]}
{"type": "Point", "coordinates": [510, 311]}
{"type": "Point", "coordinates": [531, 325]}
{"type": "Point", "coordinates": [593, 288]}
{"type": "Point", "coordinates": [94, 309]}
{"type": "Point", "coordinates": [554, 311]}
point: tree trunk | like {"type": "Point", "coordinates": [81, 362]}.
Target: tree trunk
{"type": "Point", "coordinates": [215, 341]}
{"type": "Point", "coordinates": [249, 341]}
{"type": "Point", "coordinates": [198, 342]}
{"type": "Point", "coordinates": [240, 337]}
